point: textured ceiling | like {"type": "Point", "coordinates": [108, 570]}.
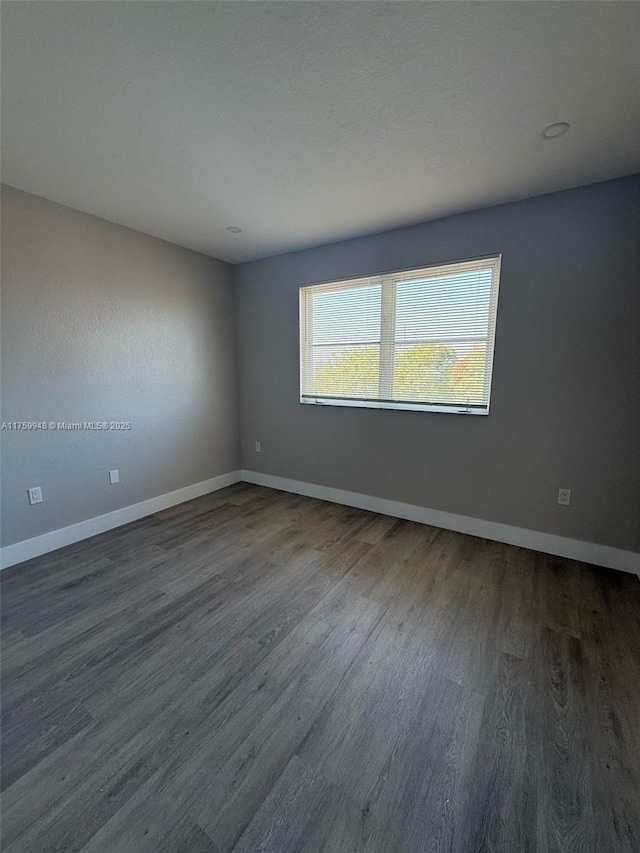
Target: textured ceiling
{"type": "Point", "coordinates": [309, 122]}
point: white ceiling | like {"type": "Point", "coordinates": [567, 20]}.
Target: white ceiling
{"type": "Point", "coordinates": [309, 122]}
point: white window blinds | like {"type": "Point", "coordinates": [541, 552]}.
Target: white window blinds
{"type": "Point", "coordinates": [418, 339]}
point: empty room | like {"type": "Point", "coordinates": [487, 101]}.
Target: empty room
{"type": "Point", "coordinates": [320, 426]}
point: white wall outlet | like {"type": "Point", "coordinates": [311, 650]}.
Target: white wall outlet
{"type": "Point", "coordinates": [564, 497]}
{"type": "Point", "coordinates": [35, 495]}
{"type": "Point", "coordinates": [258, 447]}
{"type": "Point", "coordinates": [114, 476]}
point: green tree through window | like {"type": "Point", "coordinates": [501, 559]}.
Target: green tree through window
{"type": "Point", "coordinates": [422, 372]}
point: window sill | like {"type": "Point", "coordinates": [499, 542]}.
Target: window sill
{"type": "Point", "coordinates": [406, 407]}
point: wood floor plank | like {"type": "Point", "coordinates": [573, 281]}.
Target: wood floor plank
{"type": "Point", "coordinates": [423, 802]}
{"type": "Point", "coordinates": [304, 811]}
{"type": "Point", "coordinates": [568, 807]}
{"type": "Point", "coordinates": [502, 807]}
{"type": "Point", "coordinates": [150, 824]}
{"type": "Point", "coordinates": [260, 671]}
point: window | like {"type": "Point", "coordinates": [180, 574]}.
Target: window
{"type": "Point", "coordinates": [419, 339]}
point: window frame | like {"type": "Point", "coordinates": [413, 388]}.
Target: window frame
{"type": "Point", "coordinates": [388, 282]}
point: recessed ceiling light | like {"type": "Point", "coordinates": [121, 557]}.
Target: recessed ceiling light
{"type": "Point", "coordinates": [234, 229]}
{"type": "Point", "coordinates": [553, 131]}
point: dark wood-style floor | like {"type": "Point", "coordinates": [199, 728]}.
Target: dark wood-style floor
{"type": "Point", "coordinates": [258, 671]}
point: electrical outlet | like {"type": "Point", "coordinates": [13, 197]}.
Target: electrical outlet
{"type": "Point", "coordinates": [35, 495]}
{"type": "Point", "coordinates": [564, 497]}
{"type": "Point", "coordinates": [114, 476]}
{"type": "Point", "coordinates": [258, 447]}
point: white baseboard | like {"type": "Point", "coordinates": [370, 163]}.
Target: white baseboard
{"type": "Point", "coordinates": [28, 548]}
{"type": "Point", "coordinates": [574, 549]}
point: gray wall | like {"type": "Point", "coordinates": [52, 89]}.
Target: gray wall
{"type": "Point", "coordinates": [565, 405]}
{"type": "Point", "coordinates": [103, 323]}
